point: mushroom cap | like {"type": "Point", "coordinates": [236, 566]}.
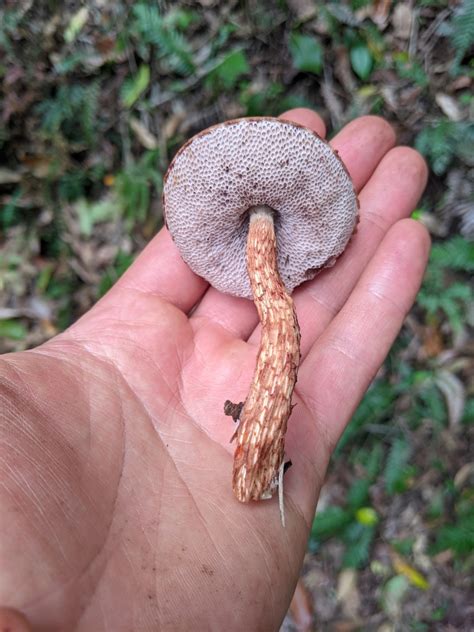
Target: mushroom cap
{"type": "Point", "coordinates": [224, 171]}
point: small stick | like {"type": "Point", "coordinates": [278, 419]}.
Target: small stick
{"type": "Point", "coordinates": [259, 455]}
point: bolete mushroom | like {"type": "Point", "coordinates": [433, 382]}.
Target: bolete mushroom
{"type": "Point", "coordinates": [257, 206]}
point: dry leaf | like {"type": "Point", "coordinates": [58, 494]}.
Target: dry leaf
{"type": "Point", "coordinates": [144, 136]}
{"type": "Point", "coordinates": [444, 557]}
{"type": "Point", "coordinates": [402, 21]}
{"type": "Point", "coordinates": [449, 106]}
{"type": "Point", "coordinates": [7, 176]}
{"type": "Point", "coordinates": [403, 568]}
{"type": "Point", "coordinates": [348, 593]}
{"type": "Point", "coordinates": [432, 342]}
{"type": "Point", "coordinates": [172, 124]}
{"type": "Point", "coordinates": [382, 11]}
{"type": "Point", "coordinates": [454, 393]}
{"type": "Point", "coordinates": [462, 475]}
{"type": "Point", "coordinates": [304, 9]}
{"type": "Point", "coordinates": [393, 594]}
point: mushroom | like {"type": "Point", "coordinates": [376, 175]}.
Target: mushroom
{"type": "Point", "coordinates": [257, 206]}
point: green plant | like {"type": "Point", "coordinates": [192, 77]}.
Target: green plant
{"type": "Point", "coordinates": [270, 100]}
{"type": "Point", "coordinates": [376, 407]}
{"type": "Point", "coordinates": [72, 113]}
{"type": "Point", "coordinates": [363, 41]}
{"type": "Point", "coordinates": [397, 471]}
{"type": "Point", "coordinates": [445, 140]}
{"type": "Point", "coordinates": [458, 534]}
{"type": "Point", "coordinates": [13, 329]}
{"type": "Point", "coordinates": [362, 61]}
{"type": "Point", "coordinates": [355, 524]}
{"type": "Point", "coordinates": [441, 291]}
{"type": "Point", "coordinates": [136, 183]}
{"type": "Point", "coordinates": [408, 68]}
{"type": "Point", "coordinates": [226, 74]}
{"type": "Point", "coordinates": [153, 31]}
{"type": "Point", "coordinates": [91, 213]}
{"type": "Point", "coordinates": [134, 87]}
{"type": "Point", "coordinates": [78, 182]}
{"type": "Point", "coordinates": [306, 53]}
{"type": "Point", "coordinates": [461, 31]}
{"type": "Point", "coordinates": [11, 213]}
{"type": "Point", "coordinates": [358, 539]}
{"type": "Point", "coordinates": [10, 20]}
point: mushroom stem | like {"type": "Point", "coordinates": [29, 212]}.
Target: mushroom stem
{"type": "Point", "coordinates": [263, 421]}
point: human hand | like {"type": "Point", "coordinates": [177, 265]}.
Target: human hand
{"type": "Point", "coordinates": [116, 504]}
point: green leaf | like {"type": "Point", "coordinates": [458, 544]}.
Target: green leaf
{"type": "Point", "coordinates": [44, 278]}
{"type": "Point", "coordinates": [329, 522]}
{"type": "Point", "coordinates": [358, 538]}
{"type": "Point", "coordinates": [132, 89]}
{"type": "Point", "coordinates": [180, 18]}
{"type": "Point", "coordinates": [76, 24]}
{"type": "Point", "coordinates": [92, 213]}
{"type": "Point", "coordinates": [456, 253]}
{"type": "Point", "coordinates": [136, 184]}
{"type": "Point", "coordinates": [228, 71]}
{"type": "Point", "coordinates": [72, 112]}
{"type": "Point", "coordinates": [163, 34]}
{"type": "Point", "coordinates": [10, 214]}
{"type": "Point", "coordinates": [358, 494]}
{"type": "Point", "coordinates": [266, 101]}
{"type": "Point", "coordinates": [375, 407]}
{"type": "Point", "coordinates": [393, 594]}
{"type": "Point", "coordinates": [410, 69]}
{"type": "Point", "coordinates": [462, 30]}
{"type": "Point", "coordinates": [396, 470]}
{"type": "Point", "coordinates": [468, 417]}
{"type": "Point", "coordinates": [12, 329]}
{"type": "Point", "coordinates": [306, 53]}
{"type": "Point", "coordinates": [404, 546]}
{"type": "Point", "coordinates": [444, 141]}
{"type": "Point", "coordinates": [374, 462]}
{"type": "Point", "coordinates": [459, 537]}
{"type": "Point", "coordinates": [362, 61]}
{"type": "Point", "coordinates": [440, 291]}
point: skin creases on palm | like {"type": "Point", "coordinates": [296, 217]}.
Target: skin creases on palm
{"type": "Point", "coordinates": [127, 491]}
{"type": "Point", "coordinates": [116, 507]}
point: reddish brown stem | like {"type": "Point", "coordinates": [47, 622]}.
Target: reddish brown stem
{"type": "Point", "coordinates": [264, 418]}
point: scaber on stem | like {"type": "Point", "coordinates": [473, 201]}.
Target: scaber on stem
{"type": "Point", "coordinates": [258, 206]}
{"type": "Point", "coordinates": [260, 436]}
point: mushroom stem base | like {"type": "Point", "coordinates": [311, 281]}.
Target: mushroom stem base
{"type": "Point", "coordinates": [264, 418]}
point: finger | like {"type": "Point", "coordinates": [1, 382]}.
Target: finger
{"type": "Point", "coordinates": [362, 144]}
{"type": "Point", "coordinates": [160, 271]}
{"type": "Point", "coordinates": [383, 202]}
{"type": "Point", "coordinates": [308, 118]}
{"type": "Point", "coordinates": [13, 621]}
{"type": "Point", "coordinates": [344, 360]}
{"type": "Point", "coordinates": [316, 302]}
{"type": "Point", "coordinates": [236, 315]}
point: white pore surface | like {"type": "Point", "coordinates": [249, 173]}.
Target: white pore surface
{"type": "Point", "coordinates": [222, 172]}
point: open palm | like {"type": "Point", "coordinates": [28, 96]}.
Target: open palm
{"type": "Point", "coordinates": [116, 508]}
